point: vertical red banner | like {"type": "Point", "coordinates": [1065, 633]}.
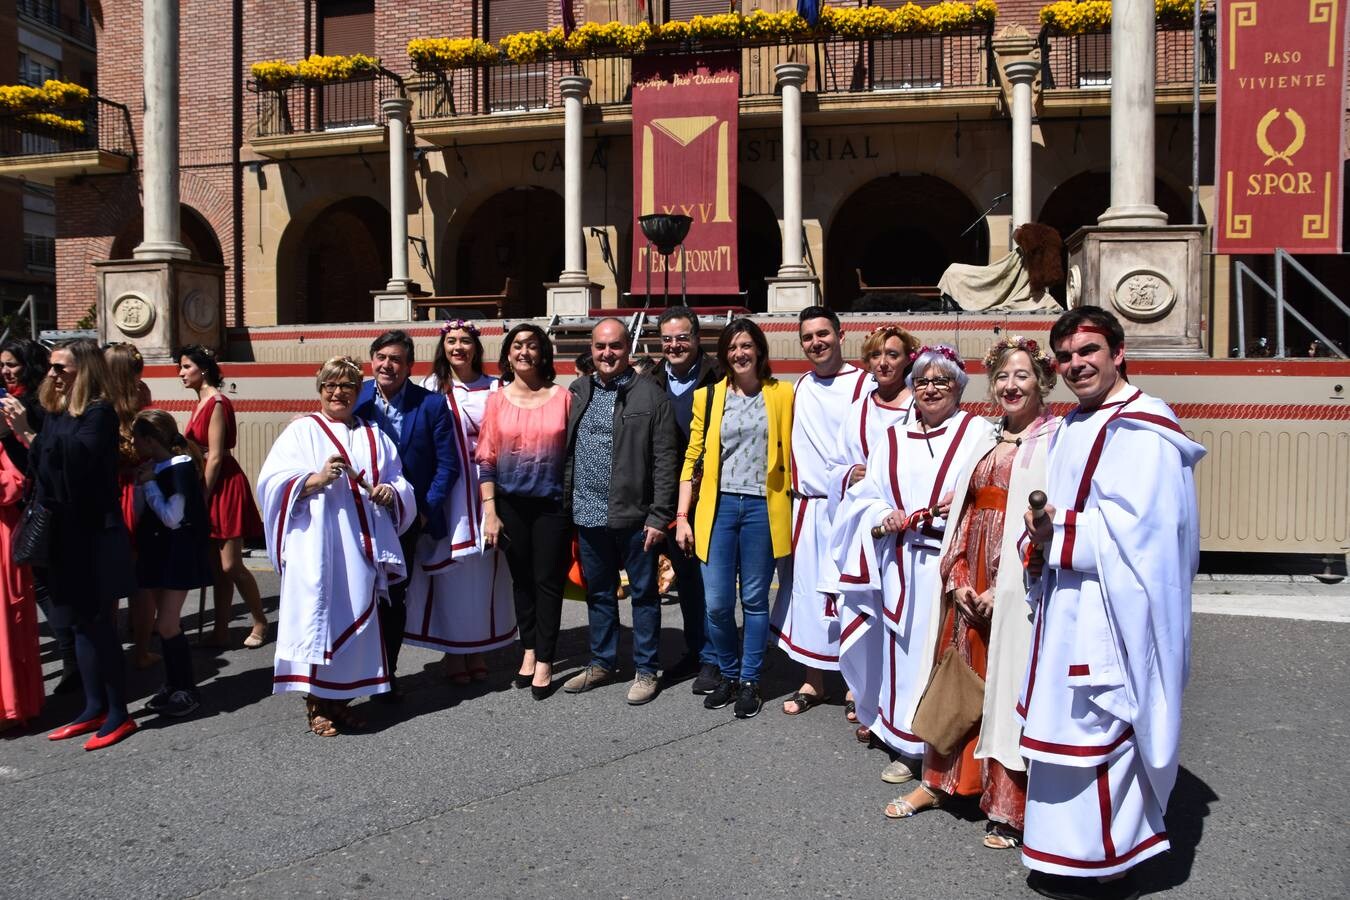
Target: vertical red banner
{"type": "Point", "coordinates": [684, 161]}
{"type": "Point", "coordinates": [1280, 141]}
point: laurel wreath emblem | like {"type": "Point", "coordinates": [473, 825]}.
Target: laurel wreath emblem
{"type": "Point", "coordinates": [1263, 141]}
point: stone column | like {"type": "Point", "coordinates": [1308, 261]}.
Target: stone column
{"type": "Point", "coordinates": [574, 294]}
{"type": "Point", "coordinates": [1021, 74]}
{"type": "Point", "coordinates": [159, 134]}
{"type": "Point", "coordinates": [794, 288]}
{"type": "Point", "coordinates": [574, 91]}
{"type": "Point", "coordinates": [1132, 116]}
{"type": "Point", "coordinates": [790, 79]}
{"type": "Point", "coordinates": [397, 110]}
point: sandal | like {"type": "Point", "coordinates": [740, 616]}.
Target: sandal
{"type": "Point", "coordinates": [1001, 837]}
{"type": "Point", "coordinates": [804, 702]}
{"type": "Point", "coordinates": [863, 734]}
{"type": "Point", "coordinates": [343, 713]}
{"type": "Point", "coordinates": [851, 711]}
{"type": "Point", "coordinates": [456, 676]}
{"type": "Point", "coordinates": [316, 713]}
{"type": "Point", "coordinates": [901, 808]}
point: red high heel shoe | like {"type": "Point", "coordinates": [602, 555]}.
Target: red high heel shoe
{"type": "Point", "coordinates": [125, 730]}
{"type": "Point", "coordinates": [75, 729]}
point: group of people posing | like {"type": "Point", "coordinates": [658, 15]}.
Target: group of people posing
{"type": "Point", "coordinates": [103, 498]}
{"type": "Point", "coordinates": [1007, 599]}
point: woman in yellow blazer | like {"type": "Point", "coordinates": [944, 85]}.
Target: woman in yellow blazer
{"type": "Point", "coordinates": [741, 436]}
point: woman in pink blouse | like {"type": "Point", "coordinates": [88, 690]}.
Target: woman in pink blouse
{"type": "Point", "coordinates": [520, 458]}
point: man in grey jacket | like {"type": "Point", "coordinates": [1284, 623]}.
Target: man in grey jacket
{"type": "Point", "coordinates": [619, 483]}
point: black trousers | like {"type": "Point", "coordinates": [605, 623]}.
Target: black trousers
{"type": "Point", "coordinates": [538, 547]}
{"type": "Point", "coordinates": [394, 614]}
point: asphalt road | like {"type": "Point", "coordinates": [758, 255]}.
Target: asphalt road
{"type": "Point", "coordinates": [485, 792]}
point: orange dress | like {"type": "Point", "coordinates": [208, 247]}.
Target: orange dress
{"type": "Point", "coordinates": [20, 664]}
{"type": "Point", "coordinates": [972, 560]}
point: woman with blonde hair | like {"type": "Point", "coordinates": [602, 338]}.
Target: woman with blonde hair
{"type": "Point", "coordinates": [886, 355]}
{"type": "Point", "coordinates": [128, 394]}
{"type": "Point", "coordinates": [335, 501]}
{"type": "Point", "coordinates": [983, 592]}
{"type": "Point", "coordinates": [87, 564]}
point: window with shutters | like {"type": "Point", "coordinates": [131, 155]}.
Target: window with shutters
{"type": "Point", "coordinates": [517, 87]}
{"type": "Point", "coordinates": [907, 63]}
{"type": "Point", "coordinates": [347, 27]}
{"type": "Point", "coordinates": [684, 10]}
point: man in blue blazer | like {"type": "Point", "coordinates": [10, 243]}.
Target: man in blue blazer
{"type": "Point", "coordinates": [419, 423]}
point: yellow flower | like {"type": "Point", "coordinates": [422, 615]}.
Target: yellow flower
{"type": "Point", "coordinates": [438, 54]}
{"type": "Point", "coordinates": [273, 72]}
{"type": "Point", "coordinates": [64, 93]}
{"type": "Point", "coordinates": [21, 96]}
{"type": "Point", "coordinates": [54, 122]}
{"type": "Point", "coordinates": [335, 68]}
{"type": "Point", "coordinates": [52, 95]}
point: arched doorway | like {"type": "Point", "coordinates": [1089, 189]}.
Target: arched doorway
{"type": "Point", "coordinates": [761, 247]}
{"type": "Point", "coordinates": [518, 234]}
{"type": "Point", "coordinates": [327, 269]}
{"type": "Point", "coordinates": [900, 230]}
{"type": "Point", "coordinates": [194, 232]}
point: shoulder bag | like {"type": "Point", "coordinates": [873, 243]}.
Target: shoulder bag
{"type": "Point", "coordinates": [953, 701]}
{"type": "Point", "coordinates": [31, 544]}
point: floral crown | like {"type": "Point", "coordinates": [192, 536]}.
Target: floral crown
{"type": "Point", "coordinates": [459, 325]}
{"type": "Point", "coordinates": [940, 350]}
{"type": "Point", "coordinates": [1017, 342]}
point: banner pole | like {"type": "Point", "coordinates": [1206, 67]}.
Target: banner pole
{"type": "Point", "coordinates": [1195, 115]}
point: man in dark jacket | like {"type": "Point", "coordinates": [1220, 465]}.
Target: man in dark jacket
{"type": "Point", "coordinates": [686, 369]}
{"type": "Point", "coordinates": [619, 484]}
{"type": "Point", "coordinates": [418, 422]}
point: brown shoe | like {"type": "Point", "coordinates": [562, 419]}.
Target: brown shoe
{"type": "Point", "coordinates": [643, 689]}
{"type": "Point", "coordinates": [587, 678]}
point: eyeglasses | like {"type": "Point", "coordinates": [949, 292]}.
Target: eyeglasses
{"type": "Point", "coordinates": [668, 339]}
{"type": "Point", "coordinates": [58, 368]}
{"type": "Point", "coordinates": [335, 387]}
{"type": "Point", "coordinates": [937, 384]}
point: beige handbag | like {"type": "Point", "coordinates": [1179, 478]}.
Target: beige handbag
{"type": "Point", "coordinates": [953, 701]}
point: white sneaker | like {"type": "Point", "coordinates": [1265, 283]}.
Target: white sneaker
{"type": "Point", "coordinates": [897, 772]}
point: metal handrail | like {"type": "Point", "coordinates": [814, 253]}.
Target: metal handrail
{"type": "Point", "coordinates": [1241, 269]}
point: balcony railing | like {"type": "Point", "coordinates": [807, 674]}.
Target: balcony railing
{"type": "Point", "coordinates": [104, 125]}
{"type": "Point", "coordinates": [48, 12]}
{"type": "Point", "coordinates": [1084, 60]}
{"type": "Point", "coordinates": [302, 108]}
{"type": "Point", "coordinates": [838, 66]}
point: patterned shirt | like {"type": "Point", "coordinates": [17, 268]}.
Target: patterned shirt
{"type": "Point", "coordinates": [593, 455]}
{"type": "Point", "coordinates": [745, 445]}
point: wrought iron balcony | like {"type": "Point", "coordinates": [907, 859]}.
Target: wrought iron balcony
{"type": "Point", "coordinates": [48, 12]}
{"type": "Point", "coordinates": [1084, 60]}
{"type": "Point", "coordinates": [301, 107]}
{"type": "Point", "coordinates": [87, 138]}
{"type": "Point", "coordinates": [838, 66]}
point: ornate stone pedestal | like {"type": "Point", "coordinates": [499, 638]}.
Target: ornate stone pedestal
{"type": "Point", "coordinates": [1149, 277]}
{"type": "Point", "coordinates": [572, 299]}
{"type": "Point", "coordinates": [160, 305]}
{"type": "Point", "coordinates": [792, 294]}
{"type": "Point", "coordinates": [394, 304]}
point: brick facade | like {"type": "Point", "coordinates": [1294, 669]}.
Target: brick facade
{"type": "Point", "coordinates": [220, 39]}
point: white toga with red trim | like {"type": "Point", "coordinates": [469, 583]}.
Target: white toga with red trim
{"type": "Point", "coordinates": [1111, 645]}
{"type": "Point", "coordinates": [337, 553]}
{"type": "Point", "coordinates": [893, 581]}
{"type": "Point", "coordinates": [459, 597]}
{"type": "Point", "coordinates": [804, 622]}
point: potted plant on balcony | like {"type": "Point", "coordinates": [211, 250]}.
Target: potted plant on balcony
{"type": "Point", "coordinates": [317, 69]}
{"type": "Point", "coordinates": [527, 47]}
{"type": "Point", "coordinates": [439, 55]}
{"type": "Point", "coordinates": [273, 74]}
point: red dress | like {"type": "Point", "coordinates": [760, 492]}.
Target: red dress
{"type": "Point", "coordinates": [20, 663]}
{"type": "Point", "coordinates": [972, 561]}
{"type": "Point", "coordinates": [234, 513]}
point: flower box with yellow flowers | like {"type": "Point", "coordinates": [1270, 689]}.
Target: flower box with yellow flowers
{"type": "Point", "coordinates": [1088, 16]}
{"type": "Point", "coordinates": [53, 95]}
{"type": "Point", "coordinates": [442, 54]}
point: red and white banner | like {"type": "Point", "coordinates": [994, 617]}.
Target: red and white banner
{"type": "Point", "coordinates": [685, 112]}
{"type": "Point", "coordinates": [1280, 141]}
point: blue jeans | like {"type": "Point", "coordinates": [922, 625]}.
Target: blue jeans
{"type": "Point", "coordinates": [689, 582]}
{"type": "Point", "coordinates": [740, 543]}
{"type": "Point", "coordinates": [603, 552]}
